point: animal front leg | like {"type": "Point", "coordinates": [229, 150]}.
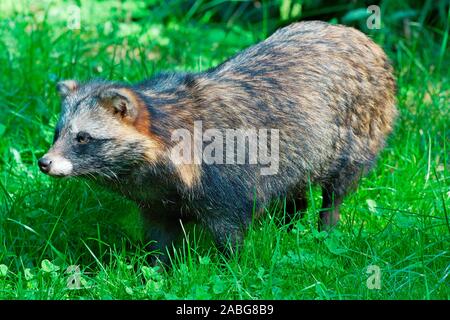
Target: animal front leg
{"type": "Point", "coordinates": [228, 234]}
{"type": "Point", "coordinates": [160, 235]}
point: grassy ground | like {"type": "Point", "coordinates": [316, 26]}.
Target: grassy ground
{"type": "Point", "coordinates": [398, 220]}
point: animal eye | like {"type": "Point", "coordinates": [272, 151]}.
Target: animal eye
{"type": "Point", "coordinates": [83, 137]}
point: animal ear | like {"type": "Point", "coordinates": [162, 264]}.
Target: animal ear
{"type": "Point", "coordinates": [121, 101]}
{"type": "Point", "coordinates": [66, 87]}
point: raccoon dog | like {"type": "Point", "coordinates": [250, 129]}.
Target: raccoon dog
{"type": "Point", "coordinates": [326, 93]}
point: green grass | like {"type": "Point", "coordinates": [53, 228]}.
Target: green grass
{"type": "Point", "coordinates": [398, 219]}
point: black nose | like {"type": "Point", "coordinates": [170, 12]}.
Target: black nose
{"type": "Point", "coordinates": [44, 164]}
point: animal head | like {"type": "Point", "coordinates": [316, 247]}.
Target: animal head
{"type": "Point", "coordinates": [103, 130]}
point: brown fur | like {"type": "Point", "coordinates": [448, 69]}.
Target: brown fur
{"type": "Point", "coordinates": [189, 174]}
{"type": "Point", "coordinates": [328, 89]}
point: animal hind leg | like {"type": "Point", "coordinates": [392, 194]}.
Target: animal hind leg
{"type": "Point", "coordinates": [333, 193]}
{"type": "Point", "coordinates": [331, 201]}
{"type": "Point", "coordinates": [297, 203]}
